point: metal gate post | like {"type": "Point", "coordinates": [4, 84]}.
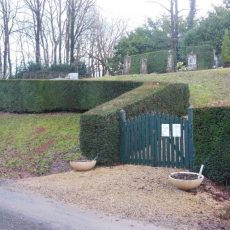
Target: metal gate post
{"type": "Point", "coordinates": [122, 120]}
{"type": "Point", "coordinates": [191, 151]}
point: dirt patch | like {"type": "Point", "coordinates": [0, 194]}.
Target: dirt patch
{"type": "Point", "coordinates": [59, 166]}
{"type": "Point", "coordinates": [44, 147]}
{"type": "Point", "coordinates": [39, 130]}
{"type": "Point", "coordinates": [137, 192]}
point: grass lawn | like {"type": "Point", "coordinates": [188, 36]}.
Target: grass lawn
{"type": "Point", "coordinates": [35, 144]}
{"type": "Point", "coordinates": [208, 88]}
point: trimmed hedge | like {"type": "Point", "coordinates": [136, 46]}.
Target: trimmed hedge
{"type": "Point", "coordinates": [156, 62]}
{"type": "Point", "coordinates": [43, 95]}
{"type": "Point", "coordinates": [204, 55]}
{"type": "Point", "coordinates": [101, 124]}
{"type": "Point", "coordinates": [212, 142]}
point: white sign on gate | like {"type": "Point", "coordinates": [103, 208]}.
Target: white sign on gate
{"type": "Point", "coordinates": [165, 130]}
{"type": "Point", "coordinates": [176, 130]}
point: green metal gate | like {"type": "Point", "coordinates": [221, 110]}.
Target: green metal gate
{"type": "Point", "coordinates": [157, 139]}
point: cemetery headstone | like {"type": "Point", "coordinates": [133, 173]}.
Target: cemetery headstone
{"type": "Point", "coordinates": [144, 66]}
{"type": "Point", "coordinates": [192, 61]}
{"type": "Point", "coordinates": [170, 62]}
{"type": "Point", "coordinates": [127, 65]}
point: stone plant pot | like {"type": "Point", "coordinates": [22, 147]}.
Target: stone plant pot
{"type": "Point", "coordinates": [186, 180]}
{"type": "Point", "coordinates": [83, 165]}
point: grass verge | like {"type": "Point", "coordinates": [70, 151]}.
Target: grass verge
{"type": "Point", "coordinates": [36, 144]}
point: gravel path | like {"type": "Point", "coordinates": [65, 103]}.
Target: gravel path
{"type": "Point", "coordinates": [137, 192]}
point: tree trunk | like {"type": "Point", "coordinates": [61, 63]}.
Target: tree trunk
{"type": "Point", "coordinates": [60, 32]}
{"type": "Point", "coordinates": [55, 53]}
{"type": "Point", "coordinates": [37, 36]}
{"type": "Point", "coordinates": [5, 52]}
{"type": "Point", "coordinates": [9, 59]}
{"type": "Point", "coordinates": [172, 31]}
{"type": "Point", "coordinates": [72, 39]}
{"type": "Point", "coordinates": [67, 34]}
{"type": "Point", "coordinates": [0, 63]}
{"type": "Point", "coordinates": [176, 33]}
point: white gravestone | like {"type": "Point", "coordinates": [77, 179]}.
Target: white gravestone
{"type": "Point", "coordinates": [192, 61]}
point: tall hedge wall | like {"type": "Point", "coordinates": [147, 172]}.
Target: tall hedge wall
{"type": "Point", "coordinates": [212, 142]}
{"type": "Point", "coordinates": [100, 126]}
{"type": "Point", "coordinates": [156, 62]}
{"type": "Point", "coordinates": [204, 55]}
{"type": "Point", "coordinates": [44, 95]}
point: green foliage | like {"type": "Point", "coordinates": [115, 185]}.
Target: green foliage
{"type": "Point", "coordinates": [63, 68]}
{"type": "Point", "coordinates": [45, 95]}
{"type": "Point", "coordinates": [101, 124]}
{"type": "Point", "coordinates": [30, 67]}
{"type": "Point", "coordinates": [211, 139]}
{"type": "Point", "coordinates": [156, 61]}
{"type": "Point", "coordinates": [80, 68]}
{"type": "Point", "coordinates": [204, 55]}
{"type": "Point", "coordinates": [210, 29]}
{"type": "Point", "coordinates": [143, 40]}
{"type": "Point", "coordinates": [225, 49]}
{"type": "Point", "coordinates": [150, 37]}
{"type": "Point", "coordinates": [33, 66]}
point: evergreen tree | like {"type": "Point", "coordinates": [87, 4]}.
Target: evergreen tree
{"type": "Point", "coordinates": [192, 14]}
{"type": "Point", "coordinates": [225, 49]}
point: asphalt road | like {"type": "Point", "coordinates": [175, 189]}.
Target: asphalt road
{"type": "Point", "coordinates": [24, 211]}
{"type": "Point", "coordinates": [11, 220]}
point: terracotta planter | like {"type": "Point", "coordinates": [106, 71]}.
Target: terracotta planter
{"type": "Point", "coordinates": [82, 165]}
{"type": "Point", "coordinates": [186, 184]}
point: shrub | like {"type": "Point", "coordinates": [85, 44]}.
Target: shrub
{"type": "Point", "coordinates": [101, 124]}
{"type": "Point", "coordinates": [80, 68]}
{"type": "Point", "coordinates": [204, 55]}
{"type": "Point", "coordinates": [37, 71]}
{"type": "Point", "coordinates": [212, 142]}
{"type": "Point", "coordinates": [45, 95]}
{"type": "Point", "coordinates": [63, 68]}
{"type": "Point", "coordinates": [30, 67]}
{"type": "Point", "coordinates": [156, 61]}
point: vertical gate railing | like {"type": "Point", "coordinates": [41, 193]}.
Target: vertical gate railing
{"type": "Point", "coordinates": [157, 139]}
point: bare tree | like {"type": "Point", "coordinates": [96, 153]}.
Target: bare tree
{"type": "Point", "coordinates": [8, 12]}
{"type": "Point", "coordinates": [106, 36]}
{"type": "Point", "coordinates": [37, 9]}
{"type": "Point", "coordinates": [80, 19]}
{"type": "Point", "coordinates": [55, 13]}
{"type": "Point", "coordinates": [45, 46]}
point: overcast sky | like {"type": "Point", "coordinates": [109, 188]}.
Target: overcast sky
{"type": "Point", "coordinates": [136, 11]}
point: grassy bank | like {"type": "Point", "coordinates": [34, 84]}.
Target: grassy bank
{"type": "Point", "coordinates": [208, 88]}
{"type": "Point", "coordinates": [35, 144]}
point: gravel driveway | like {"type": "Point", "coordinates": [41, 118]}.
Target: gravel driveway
{"type": "Point", "coordinates": [136, 192]}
